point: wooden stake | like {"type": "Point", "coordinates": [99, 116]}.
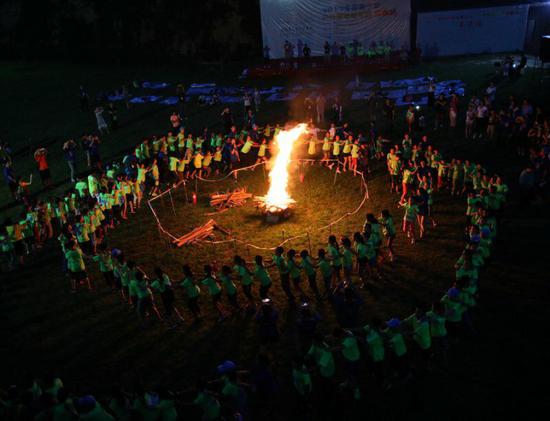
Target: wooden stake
{"type": "Point", "coordinates": [185, 191]}
{"type": "Point", "coordinates": [172, 201]}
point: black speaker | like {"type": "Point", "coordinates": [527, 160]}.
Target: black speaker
{"type": "Point", "coordinates": [545, 48]}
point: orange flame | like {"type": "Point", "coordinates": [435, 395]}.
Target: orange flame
{"type": "Point", "coordinates": [277, 196]}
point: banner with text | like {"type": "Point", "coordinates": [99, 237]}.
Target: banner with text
{"type": "Point", "coordinates": [353, 24]}
{"type": "Point", "coordinates": [472, 31]}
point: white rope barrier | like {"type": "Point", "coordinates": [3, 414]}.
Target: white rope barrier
{"type": "Point", "coordinates": [247, 244]}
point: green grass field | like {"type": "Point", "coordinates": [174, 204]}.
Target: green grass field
{"type": "Point", "coordinates": [91, 340]}
{"type": "Point", "coordinates": [43, 104]}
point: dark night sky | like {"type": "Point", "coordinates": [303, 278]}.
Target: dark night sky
{"type": "Point", "coordinates": [102, 29]}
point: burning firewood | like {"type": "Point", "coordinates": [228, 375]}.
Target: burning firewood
{"type": "Point", "coordinates": [273, 213]}
{"type": "Point", "coordinates": [223, 201]}
{"type": "Point", "coordinates": [199, 234]}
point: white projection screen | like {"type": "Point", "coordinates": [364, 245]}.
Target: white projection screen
{"type": "Point", "coordinates": [472, 31]}
{"type": "Point", "coordinates": [341, 21]}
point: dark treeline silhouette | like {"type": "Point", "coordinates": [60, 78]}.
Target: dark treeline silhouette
{"type": "Point", "coordinates": [123, 30]}
{"type": "Point", "coordinates": [133, 30]}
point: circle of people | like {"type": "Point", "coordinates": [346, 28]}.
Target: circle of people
{"type": "Point", "coordinates": [416, 170]}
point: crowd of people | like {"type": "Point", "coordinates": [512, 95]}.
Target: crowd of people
{"type": "Point", "coordinates": [334, 51]}
{"type": "Point", "coordinates": [327, 366]}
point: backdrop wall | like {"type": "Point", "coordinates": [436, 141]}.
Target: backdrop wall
{"type": "Point", "coordinates": [471, 31]}
{"type": "Point", "coordinates": [316, 21]}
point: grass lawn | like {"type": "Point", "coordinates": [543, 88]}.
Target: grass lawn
{"type": "Point", "coordinates": [43, 104]}
{"type": "Point", "coordinates": [91, 340]}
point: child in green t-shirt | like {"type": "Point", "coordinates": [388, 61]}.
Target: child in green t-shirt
{"type": "Point", "coordinates": [229, 287]}
{"type": "Point", "coordinates": [214, 290]}
{"type": "Point", "coordinates": [294, 269]}
{"type": "Point", "coordinates": [245, 278]}
{"type": "Point", "coordinates": [262, 275]}
{"type": "Point", "coordinates": [326, 272]}
{"type": "Point", "coordinates": [105, 261]}
{"type": "Point", "coordinates": [310, 270]}
{"type": "Point", "coordinates": [192, 291]}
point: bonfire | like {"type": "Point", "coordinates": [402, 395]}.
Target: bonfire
{"type": "Point", "coordinates": [276, 204]}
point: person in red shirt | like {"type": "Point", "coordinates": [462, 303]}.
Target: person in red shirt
{"type": "Point", "coordinates": [40, 156]}
{"type": "Point", "coordinates": [175, 119]}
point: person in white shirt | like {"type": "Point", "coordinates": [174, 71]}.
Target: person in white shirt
{"type": "Point", "coordinates": [247, 102]}
{"type": "Point", "coordinates": [481, 120]}
{"type": "Point", "coordinates": [320, 108]}
{"type": "Point", "coordinates": [101, 124]}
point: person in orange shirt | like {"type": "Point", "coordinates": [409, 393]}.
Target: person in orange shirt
{"type": "Point", "coordinates": [40, 156]}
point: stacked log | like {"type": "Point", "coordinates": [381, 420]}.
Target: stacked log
{"type": "Point", "coordinates": [199, 234]}
{"type": "Point", "coordinates": [222, 201]}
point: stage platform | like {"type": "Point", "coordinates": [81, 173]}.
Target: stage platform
{"type": "Point", "coordinates": [302, 67]}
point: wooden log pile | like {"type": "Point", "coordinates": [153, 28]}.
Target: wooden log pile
{"type": "Point", "coordinates": [199, 234]}
{"type": "Point", "coordinates": [223, 201]}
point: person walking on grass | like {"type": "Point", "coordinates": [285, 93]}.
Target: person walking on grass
{"type": "Point", "coordinates": [245, 278]}
{"type": "Point", "coordinates": [69, 150]}
{"type": "Point", "coordinates": [76, 266]}
{"type": "Point", "coordinates": [335, 258]}
{"type": "Point", "coordinates": [144, 295]}
{"type": "Point", "coordinates": [409, 218]}
{"type": "Point", "coordinates": [327, 272]}
{"type": "Point", "coordinates": [284, 275]}
{"type": "Point", "coordinates": [229, 286]}
{"type": "Point", "coordinates": [309, 268]}
{"type": "Point", "coordinates": [192, 291]}
{"type": "Point", "coordinates": [294, 270]}
{"type": "Point", "coordinates": [261, 274]}
{"type": "Point", "coordinates": [214, 290]}
{"type": "Point", "coordinates": [349, 347]}
{"type": "Point", "coordinates": [101, 123]}
{"type": "Point", "coordinates": [389, 231]}
{"type": "Point", "coordinates": [105, 260]}
{"type": "Point", "coordinates": [163, 285]}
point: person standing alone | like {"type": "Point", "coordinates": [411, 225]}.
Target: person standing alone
{"type": "Point", "coordinates": [69, 149]}
{"type": "Point", "coordinates": [320, 108]}
{"type": "Point", "coordinates": [40, 156]}
{"type": "Point", "coordinates": [101, 124]}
